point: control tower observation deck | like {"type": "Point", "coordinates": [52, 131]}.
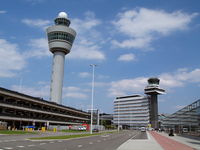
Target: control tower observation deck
{"type": "Point", "coordinates": [153, 90]}
{"type": "Point", "coordinates": [60, 40]}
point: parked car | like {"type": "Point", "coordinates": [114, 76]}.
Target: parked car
{"type": "Point", "coordinates": [95, 130]}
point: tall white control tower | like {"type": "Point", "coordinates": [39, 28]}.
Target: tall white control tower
{"type": "Point", "coordinates": [60, 39]}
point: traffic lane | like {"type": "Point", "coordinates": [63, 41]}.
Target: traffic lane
{"type": "Point", "coordinates": [140, 136]}
{"type": "Point", "coordinates": [101, 142]}
{"type": "Point", "coordinates": [109, 143]}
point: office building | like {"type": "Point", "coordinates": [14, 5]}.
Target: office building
{"type": "Point", "coordinates": [131, 111]}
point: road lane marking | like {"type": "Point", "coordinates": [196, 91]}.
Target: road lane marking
{"type": "Point", "coordinates": [105, 135]}
{"type": "Point", "coordinates": [104, 139]}
{"type": "Point", "coordinates": [30, 145]}
{"type": "Point", "coordinates": [42, 143]}
{"type": "Point", "coordinates": [91, 143]}
{"type": "Point", "coordinates": [51, 142]}
{"type": "Point", "coordinates": [60, 141]}
{"type": "Point", "coordinates": [8, 148]}
{"type": "Point", "coordinates": [20, 146]}
{"type": "Point", "coordinates": [80, 146]}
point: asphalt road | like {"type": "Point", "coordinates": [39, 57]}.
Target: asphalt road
{"type": "Point", "coordinates": [100, 142]}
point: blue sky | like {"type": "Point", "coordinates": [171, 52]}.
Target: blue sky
{"type": "Point", "coordinates": [129, 40]}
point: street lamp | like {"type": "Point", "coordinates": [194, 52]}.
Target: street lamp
{"type": "Point", "coordinates": [93, 66]}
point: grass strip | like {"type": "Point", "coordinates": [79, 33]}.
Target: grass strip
{"type": "Point", "coordinates": [73, 131]}
{"type": "Point", "coordinates": [16, 132]}
{"type": "Point", "coordinates": [64, 137]}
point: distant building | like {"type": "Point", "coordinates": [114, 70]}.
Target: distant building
{"type": "Point", "coordinates": [106, 120]}
{"type": "Point", "coordinates": [185, 118]}
{"type": "Point", "coordinates": [19, 110]}
{"type": "Point", "coordinates": [131, 111]}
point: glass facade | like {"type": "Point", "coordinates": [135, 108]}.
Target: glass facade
{"type": "Point", "coordinates": [61, 36]}
{"type": "Point", "coordinates": [186, 118]}
{"type": "Point", "coordinates": [131, 111]}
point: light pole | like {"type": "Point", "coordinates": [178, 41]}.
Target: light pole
{"type": "Point", "coordinates": [93, 66]}
{"type": "Point", "coordinates": [118, 116]}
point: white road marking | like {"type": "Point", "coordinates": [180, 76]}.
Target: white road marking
{"type": "Point", "coordinates": [30, 145]}
{"type": "Point", "coordinates": [11, 140]}
{"type": "Point", "coordinates": [51, 142]}
{"type": "Point", "coordinates": [60, 141]}
{"type": "Point", "coordinates": [42, 143]}
{"type": "Point", "coordinates": [105, 135]}
{"type": "Point", "coordinates": [20, 146]}
{"type": "Point", "coordinates": [98, 140]}
{"type": "Point", "coordinates": [8, 148]}
{"type": "Point", "coordinates": [80, 146]}
{"type": "Point", "coordinates": [91, 143]}
{"type": "Point", "coordinates": [104, 139]}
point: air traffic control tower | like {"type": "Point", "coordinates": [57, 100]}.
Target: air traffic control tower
{"type": "Point", "coordinates": [60, 39]}
{"type": "Point", "coordinates": [153, 90]}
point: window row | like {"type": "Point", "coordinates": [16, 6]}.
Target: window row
{"type": "Point", "coordinates": [61, 36]}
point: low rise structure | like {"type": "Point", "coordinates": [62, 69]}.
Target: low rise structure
{"type": "Point", "coordinates": [20, 110]}
{"type": "Point", "coordinates": [186, 119]}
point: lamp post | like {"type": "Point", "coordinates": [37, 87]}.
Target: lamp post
{"type": "Point", "coordinates": [118, 116]}
{"type": "Point", "coordinates": [93, 66]}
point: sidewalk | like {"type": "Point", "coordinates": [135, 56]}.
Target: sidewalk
{"type": "Point", "coordinates": [161, 141]}
{"type": "Point", "coordinates": [192, 142]}
{"type": "Point", "coordinates": [146, 144]}
{"type": "Point", "coordinates": [168, 143]}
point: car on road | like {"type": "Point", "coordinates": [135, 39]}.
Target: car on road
{"type": "Point", "coordinates": [142, 129]}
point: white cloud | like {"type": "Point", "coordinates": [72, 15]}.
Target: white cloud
{"type": "Point", "coordinates": [84, 74]}
{"type": "Point", "coordinates": [38, 91]}
{"type": "Point", "coordinates": [86, 24]}
{"type": "Point", "coordinates": [75, 95]}
{"type": "Point", "coordinates": [167, 81]}
{"type": "Point", "coordinates": [87, 43]}
{"type": "Point", "coordinates": [127, 86]}
{"type": "Point", "coordinates": [127, 57]}
{"type": "Point", "coordinates": [141, 26]}
{"type": "Point", "coordinates": [43, 90]}
{"type": "Point", "coordinates": [74, 92]}
{"type": "Point", "coordinates": [86, 51]}
{"type": "Point", "coordinates": [40, 23]}
{"type": "Point", "coordinates": [3, 11]}
{"type": "Point", "coordinates": [179, 78]}
{"type": "Point", "coordinates": [11, 60]}
{"type": "Point", "coordinates": [38, 48]}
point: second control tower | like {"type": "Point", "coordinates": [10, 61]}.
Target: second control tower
{"type": "Point", "coordinates": [153, 90]}
{"type": "Point", "coordinates": [60, 39]}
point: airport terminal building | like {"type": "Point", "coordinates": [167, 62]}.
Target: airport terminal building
{"type": "Point", "coordinates": [20, 110]}
{"type": "Point", "coordinates": [186, 119]}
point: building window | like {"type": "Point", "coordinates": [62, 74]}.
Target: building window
{"type": "Point", "coordinates": [61, 36]}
